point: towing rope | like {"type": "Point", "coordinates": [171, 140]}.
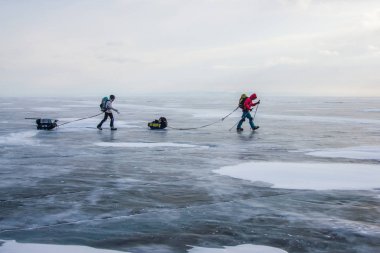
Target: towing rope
{"type": "Point", "coordinates": [175, 128]}
{"type": "Point", "coordinates": [213, 123]}
{"type": "Point", "coordinates": [80, 119]}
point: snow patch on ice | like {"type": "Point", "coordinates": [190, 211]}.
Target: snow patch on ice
{"type": "Point", "coordinates": [15, 247]}
{"type": "Point", "coordinates": [244, 248]}
{"type": "Point", "coordinates": [21, 138]}
{"type": "Point", "coordinates": [361, 152]}
{"type": "Point", "coordinates": [313, 176]}
{"type": "Point", "coordinates": [146, 145]}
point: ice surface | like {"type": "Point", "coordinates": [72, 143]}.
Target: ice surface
{"type": "Point", "coordinates": [91, 123]}
{"type": "Point", "coordinates": [146, 145]}
{"type": "Point", "coordinates": [313, 176]}
{"type": "Point", "coordinates": [48, 109]}
{"type": "Point", "coordinates": [211, 113]}
{"type": "Point", "coordinates": [244, 248]}
{"type": "Point", "coordinates": [68, 119]}
{"type": "Point", "coordinates": [335, 120]}
{"type": "Point", "coordinates": [15, 247]}
{"type": "Point", "coordinates": [79, 106]}
{"type": "Point", "coordinates": [126, 124]}
{"type": "Point", "coordinates": [138, 190]}
{"type": "Point", "coordinates": [363, 152]}
{"type": "Point", "coordinates": [133, 107]}
{"type": "Point", "coordinates": [20, 138]}
{"type": "Point", "coordinates": [194, 112]}
{"type": "Point", "coordinates": [372, 110]}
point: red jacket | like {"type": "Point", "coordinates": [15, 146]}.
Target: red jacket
{"type": "Point", "coordinates": [248, 103]}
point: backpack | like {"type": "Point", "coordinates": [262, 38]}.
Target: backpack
{"type": "Point", "coordinates": [103, 104]}
{"type": "Point", "coordinates": [242, 99]}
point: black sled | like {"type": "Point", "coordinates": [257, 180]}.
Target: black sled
{"type": "Point", "coordinates": [161, 123]}
{"type": "Point", "coordinates": [46, 124]}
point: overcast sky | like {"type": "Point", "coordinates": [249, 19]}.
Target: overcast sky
{"type": "Point", "coordinates": [279, 47]}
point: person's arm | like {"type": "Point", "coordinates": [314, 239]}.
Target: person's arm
{"type": "Point", "coordinates": [116, 110]}
{"type": "Point", "coordinates": [257, 103]}
{"type": "Point", "coordinates": [110, 107]}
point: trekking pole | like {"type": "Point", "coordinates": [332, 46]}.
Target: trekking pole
{"type": "Point", "coordinates": [234, 125]}
{"type": "Point", "coordinates": [257, 107]}
{"type": "Point", "coordinates": [230, 113]}
{"type": "Point", "coordinates": [252, 118]}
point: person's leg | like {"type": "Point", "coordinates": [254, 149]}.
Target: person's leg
{"type": "Point", "coordinates": [249, 116]}
{"type": "Point", "coordinates": [241, 121]}
{"type": "Point", "coordinates": [101, 122]}
{"type": "Point", "coordinates": [112, 119]}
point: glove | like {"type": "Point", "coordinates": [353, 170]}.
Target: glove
{"type": "Point", "coordinates": [258, 102]}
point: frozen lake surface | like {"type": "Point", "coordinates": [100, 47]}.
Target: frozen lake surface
{"type": "Point", "coordinates": [307, 181]}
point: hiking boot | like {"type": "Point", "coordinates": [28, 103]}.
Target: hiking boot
{"type": "Point", "coordinates": [113, 128]}
{"type": "Point", "coordinates": [256, 127]}
{"type": "Point", "coordinates": [99, 127]}
{"type": "Point", "coordinates": [239, 129]}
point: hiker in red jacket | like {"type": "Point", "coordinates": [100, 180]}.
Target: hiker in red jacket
{"type": "Point", "coordinates": [248, 104]}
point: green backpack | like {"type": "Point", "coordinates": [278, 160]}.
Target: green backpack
{"type": "Point", "coordinates": [242, 99]}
